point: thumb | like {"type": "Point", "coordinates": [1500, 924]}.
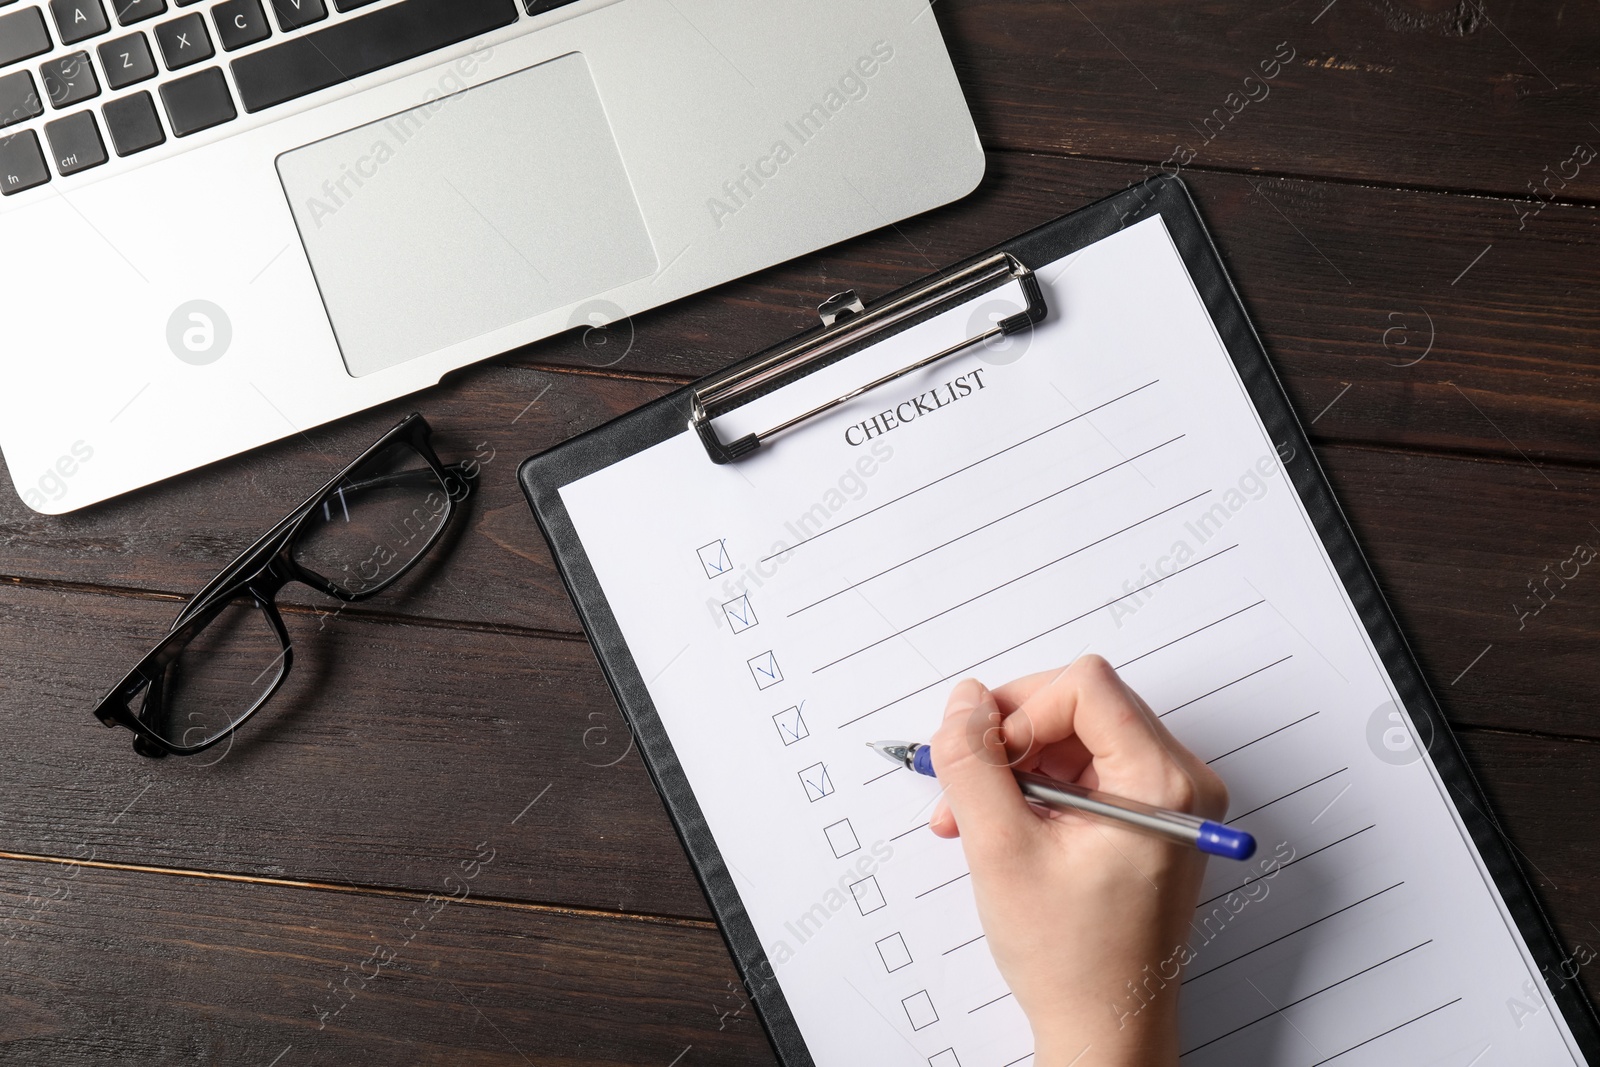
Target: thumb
{"type": "Point", "coordinates": [969, 756]}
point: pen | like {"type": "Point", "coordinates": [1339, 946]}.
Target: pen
{"type": "Point", "coordinates": [1203, 834]}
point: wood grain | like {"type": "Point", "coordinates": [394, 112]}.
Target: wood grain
{"type": "Point", "coordinates": [1434, 321]}
{"type": "Point", "coordinates": [390, 749]}
{"type": "Point", "coordinates": [1543, 796]}
{"type": "Point", "coordinates": [1443, 94]}
{"type": "Point", "coordinates": [1455, 544]}
{"type": "Point", "coordinates": [1455, 539]}
{"type": "Point", "coordinates": [121, 966]}
{"type": "Point", "coordinates": [495, 570]}
{"type": "Point", "coordinates": [1442, 348]}
{"type": "Point", "coordinates": [105, 966]}
{"type": "Point", "coordinates": [393, 747]}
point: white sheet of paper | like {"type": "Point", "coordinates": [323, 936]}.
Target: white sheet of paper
{"type": "Point", "coordinates": [1103, 484]}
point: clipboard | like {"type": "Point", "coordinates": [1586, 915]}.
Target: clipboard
{"type": "Point", "coordinates": [848, 326]}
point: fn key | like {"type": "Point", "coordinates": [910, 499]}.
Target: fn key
{"type": "Point", "coordinates": [198, 102]}
{"type": "Point", "coordinates": [22, 165]}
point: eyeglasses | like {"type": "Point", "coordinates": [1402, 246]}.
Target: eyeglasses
{"type": "Point", "coordinates": [228, 652]}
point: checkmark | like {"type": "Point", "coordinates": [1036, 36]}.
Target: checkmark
{"type": "Point", "coordinates": [816, 782]}
{"type": "Point", "coordinates": [741, 616]}
{"type": "Point", "coordinates": [714, 558]}
{"type": "Point", "coordinates": [764, 668]}
{"type": "Point", "coordinates": [791, 725]}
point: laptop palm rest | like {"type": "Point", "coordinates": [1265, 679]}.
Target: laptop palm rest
{"type": "Point", "coordinates": [467, 214]}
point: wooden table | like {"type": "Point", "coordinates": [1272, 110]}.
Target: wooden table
{"type": "Point", "coordinates": [1408, 205]}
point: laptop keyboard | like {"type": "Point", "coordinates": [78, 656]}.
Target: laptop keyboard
{"type": "Point", "coordinates": [81, 79]}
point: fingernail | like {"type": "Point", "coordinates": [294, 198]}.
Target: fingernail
{"type": "Point", "coordinates": [968, 694]}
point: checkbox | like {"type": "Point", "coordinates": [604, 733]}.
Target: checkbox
{"type": "Point", "coordinates": [842, 838]}
{"type": "Point", "coordinates": [816, 782]}
{"type": "Point", "coordinates": [714, 558]}
{"type": "Point", "coordinates": [764, 668]}
{"type": "Point", "coordinates": [869, 898]}
{"type": "Point", "coordinates": [947, 1058]}
{"type": "Point", "coordinates": [919, 1009]}
{"type": "Point", "coordinates": [892, 950]}
{"type": "Point", "coordinates": [741, 616]}
{"type": "Point", "coordinates": [791, 725]}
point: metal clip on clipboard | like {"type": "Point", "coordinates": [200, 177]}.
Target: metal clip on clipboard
{"type": "Point", "coordinates": [845, 322]}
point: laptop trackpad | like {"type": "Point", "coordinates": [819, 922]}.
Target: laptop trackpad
{"type": "Point", "coordinates": [467, 214]}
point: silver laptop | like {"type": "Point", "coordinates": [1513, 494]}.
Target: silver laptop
{"type": "Point", "coordinates": [224, 222]}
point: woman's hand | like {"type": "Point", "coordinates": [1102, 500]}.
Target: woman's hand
{"type": "Point", "coordinates": [1079, 913]}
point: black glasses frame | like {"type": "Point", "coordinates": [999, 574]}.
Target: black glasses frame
{"type": "Point", "coordinates": [262, 570]}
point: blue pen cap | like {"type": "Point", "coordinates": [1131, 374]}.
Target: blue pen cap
{"type": "Point", "coordinates": [922, 761]}
{"type": "Point", "coordinates": [1220, 840]}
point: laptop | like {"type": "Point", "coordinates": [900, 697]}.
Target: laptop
{"type": "Point", "coordinates": [225, 222]}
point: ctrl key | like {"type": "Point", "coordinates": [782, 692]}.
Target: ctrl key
{"type": "Point", "coordinates": [76, 142]}
{"type": "Point", "coordinates": [22, 164]}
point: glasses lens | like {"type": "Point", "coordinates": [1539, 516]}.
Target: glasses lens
{"type": "Point", "coordinates": [376, 521]}
{"type": "Point", "coordinates": [212, 672]}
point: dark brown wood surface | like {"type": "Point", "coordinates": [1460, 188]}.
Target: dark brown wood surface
{"type": "Point", "coordinates": [1390, 204]}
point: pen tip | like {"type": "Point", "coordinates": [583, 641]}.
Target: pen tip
{"type": "Point", "coordinates": [896, 751]}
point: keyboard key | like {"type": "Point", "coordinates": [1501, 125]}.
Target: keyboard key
{"type": "Point", "coordinates": [23, 36]}
{"type": "Point", "coordinates": [198, 102]}
{"type": "Point", "coordinates": [240, 22]}
{"type": "Point", "coordinates": [22, 165]}
{"type": "Point", "coordinates": [131, 11]}
{"type": "Point", "coordinates": [351, 5]}
{"type": "Point", "coordinates": [184, 41]}
{"type": "Point", "coordinates": [133, 124]}
{"type": "Point", "coordinates": [69, 80]}
{"type": "Point", "coordinates": [19, 100]}
{"type": "Point", "coordinates": [539, 7]}
{"type": "Point", "coordinates": [79, 20]}
{"type": "Point", "coordinates": [127, 60]}
{"type": "Point", "coordinates": [293, 14]}
{"type": "Point", "coordinates": [75, 140]}
{"type": "Point", "coordinates": [356, 46]}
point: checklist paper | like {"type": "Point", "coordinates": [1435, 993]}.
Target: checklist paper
{"type": "Point", "coordinates": [1105, 485]}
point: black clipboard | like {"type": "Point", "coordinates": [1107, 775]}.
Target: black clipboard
{"type": "Point", "coordinates": [847, 327]}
